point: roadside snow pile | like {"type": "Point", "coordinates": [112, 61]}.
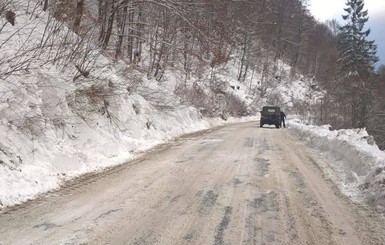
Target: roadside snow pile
{"type": "Point", "coordinates": [358, 163]}
{"type": "Point", "coordinates": [41, 146]}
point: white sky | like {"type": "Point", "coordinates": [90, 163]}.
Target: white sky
{"type": "Point", "coordinates": [329, 9]}
{"type": "Point", "coordinates": [333, 9]}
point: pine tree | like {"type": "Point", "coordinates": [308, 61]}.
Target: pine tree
{"type": "Point", "coordinates": [357, 57]}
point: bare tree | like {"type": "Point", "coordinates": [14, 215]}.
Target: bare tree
{"type": "Point", "coordinates": [78, 15]}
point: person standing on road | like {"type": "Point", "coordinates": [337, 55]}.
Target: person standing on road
{"type": "Point", "coordinates": [283, 115]}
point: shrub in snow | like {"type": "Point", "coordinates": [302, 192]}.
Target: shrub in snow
{"type": "Point", "coordinates": [235, 106]}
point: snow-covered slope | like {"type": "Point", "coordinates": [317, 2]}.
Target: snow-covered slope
{"type": "Point", "coordinates": [42, 145]}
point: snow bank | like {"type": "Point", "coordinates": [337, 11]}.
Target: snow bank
{"type": "Point", "coordinates": [357, 162]}
{"type": "Point", "coordinates": [42, 146]}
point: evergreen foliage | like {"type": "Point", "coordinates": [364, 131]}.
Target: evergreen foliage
{"type": "Point", "coordinates": [357, 54]}
{"type": "Point", "coordinates": [357, 57]}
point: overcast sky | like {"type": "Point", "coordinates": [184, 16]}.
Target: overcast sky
{"type": "Point", "coordinates": [333, 9]}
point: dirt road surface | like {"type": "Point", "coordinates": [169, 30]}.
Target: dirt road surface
{"type": "Point", "coordinates": [238, 184]}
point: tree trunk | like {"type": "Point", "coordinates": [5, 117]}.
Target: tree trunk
{"type": "Point", "coordinates": [78, 15]}
{"type": "Point", "coordinates": [110, 24]}
{"type": "Point", "coordinates": [45, 6]}
{"type": "Point", "coordinates": [102, 16]}
{"type": "Point", "coordinates": [243, 59]}
{"type": "Point", "coordinates": [139, 34]}
{"type": "Point", "coordinates": [153, 51]}
{"type": "Point", "coordinates": [121, 16]}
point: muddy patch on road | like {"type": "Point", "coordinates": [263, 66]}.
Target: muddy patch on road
{"type": "Point", "coordinates": [263, 146]}
{"type": "Point", "coordinates": [219, 231]}
{"type": "Point", "coordinates": [265, 203]}
{"type": "Point", "coordinates": [300, 186]}
{"type": "Point", "coordinates": [263, 166]}
{"type": "Point", "coordinates": [235, 182]}
{"type": "Point", "coordinates": [208, 201]}
{"type": "Point", "coordinates": [298, 178]}
{"type": "Point", "coordinates": [261, 222]}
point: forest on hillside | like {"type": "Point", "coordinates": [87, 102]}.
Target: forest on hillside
{"type": "Point", "coordinates": [156, 36]}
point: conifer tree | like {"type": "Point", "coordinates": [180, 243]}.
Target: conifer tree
{"type": "Point", "coordinates": [357, 57]}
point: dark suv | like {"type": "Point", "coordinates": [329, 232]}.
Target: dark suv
{"type": "Point", "coordinates": [271, 115]}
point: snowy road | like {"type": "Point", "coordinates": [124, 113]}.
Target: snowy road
{"type": "Point", "coordinates": [239, 184]}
